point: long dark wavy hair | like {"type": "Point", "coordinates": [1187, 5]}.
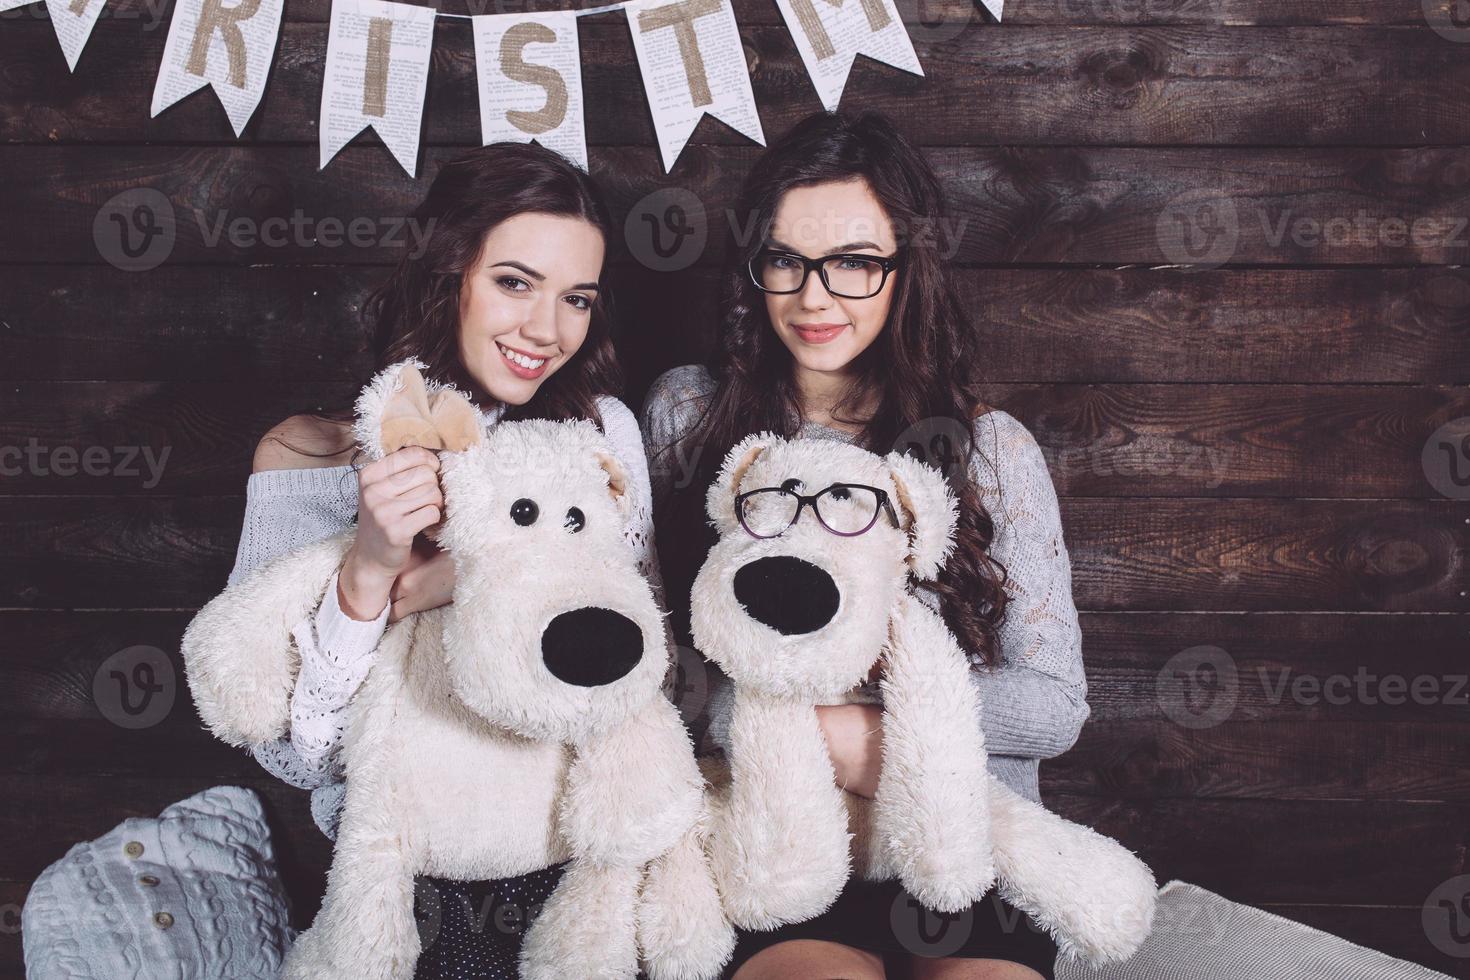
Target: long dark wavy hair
{"type": "Point", "coordinates": [414, 312]}
{"type": "Point", "coordinates": [920, 368]}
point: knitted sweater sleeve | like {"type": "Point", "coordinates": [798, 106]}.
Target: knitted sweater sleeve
{"type": "Point", "coordinates": [1034, 701]}
{"type": "Point", "coordinates": [285, 510]}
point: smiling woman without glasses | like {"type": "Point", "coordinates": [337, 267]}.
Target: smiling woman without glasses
{"type": "Point", "coordinates": [504, 303]}
{"type": "Point", "coordinates": [841, 322]}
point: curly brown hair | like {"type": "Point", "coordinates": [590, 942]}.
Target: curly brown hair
{"type": "Point", "coordinates": [921, 368]}
{"type": "Point", "coordinates": [414, 312]}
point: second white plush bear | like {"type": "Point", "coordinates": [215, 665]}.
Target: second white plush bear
{"type": "Point", "coordinates": [805, 591]}
{"type": "Point", "coordinates": [520, 726]}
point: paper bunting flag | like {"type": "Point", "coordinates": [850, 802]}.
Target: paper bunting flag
{"type": "Point", "coordinates": [228, 47]}
{"type": "Point", "coordinates": [72, 20]}
{"type": "Point", "coordinates": [829, 34]}
{"type": "Point", "coordinates": [529, 70]}
{"type": "Point", "coordinates": [377, 69]}
{"type": "Point", "coordinates": [994, 6]}
{"type": "Point", "coordinates": [692, 62]}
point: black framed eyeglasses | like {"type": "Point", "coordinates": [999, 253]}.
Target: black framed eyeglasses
{"type": "Point", "coordinates": [846, 509]}
{"type": "Point", "coordinates": [850, 275]}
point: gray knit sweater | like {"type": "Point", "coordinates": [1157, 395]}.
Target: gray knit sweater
{"type": "Point", "coordinates": [1033, 704]}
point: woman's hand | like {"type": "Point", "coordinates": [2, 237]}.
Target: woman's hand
{"type": "Point", "coordinates": [399, 496]}
{"type": "Point", "coordinates": [427, 582]}
{"type": "Point", "coordinates": [854, 734]}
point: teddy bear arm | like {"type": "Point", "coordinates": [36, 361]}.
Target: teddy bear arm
{"type": "Point", "coordinates": [682, 930]}
{"type": "Point", "coordinates": [932, 806]}
{"type": "Point", "coordinates": [632, 793]}
{"type": "Point", "coordinates": [780, 841]}
{"type": "Point", "coordinates": [587, 928]}
{"type": "Point", "coordinates": [366, 928]}
{"type": "Point", "coordinates": [238, 654]}
{"type": "Point", "coordinates": [1089, 892]}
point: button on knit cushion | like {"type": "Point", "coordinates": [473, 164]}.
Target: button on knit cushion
{"type": "Point", "coordinates": [200, 899]}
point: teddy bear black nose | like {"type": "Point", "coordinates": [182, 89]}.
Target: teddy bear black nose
{"type": "Point", "coordinates": [591, 647]}
{"type": "Point", "coordinates": [787, 594]}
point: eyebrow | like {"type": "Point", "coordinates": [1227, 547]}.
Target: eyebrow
{"type": "Point", "coordinates": [540, 277]}
{"type": "Point", "coordinates": [850, 246]}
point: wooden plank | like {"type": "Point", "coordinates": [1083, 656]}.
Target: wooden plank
{"type": "Point", "coordinates": [1288, 851]}
{"type": "Point", "coordinates": [1042, 85]}
{"type": "Point", "coordinates": [1129, 654]}
{"type": "Point", "coordinates": [1099, 440]}
{"type": "Point", "coordinates": [1126, 553]}
{"type": "Point", "coordinates": [49, 660]}
{"type": "Point", "coordinates": [286, 324]}
{"type": "Point", "coordinates": [1232, 13]}
{"type": "Point", "coordinates": [1340, 206]}
{"type": "Point", "coordinates": [1283, 738]}
{"type": "Point", "coordinates": [1307, 759]}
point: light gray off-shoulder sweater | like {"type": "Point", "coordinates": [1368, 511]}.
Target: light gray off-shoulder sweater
{"type": "Point", "coordinates": [1033, 704]}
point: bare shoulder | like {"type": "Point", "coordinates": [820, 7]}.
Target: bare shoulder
{"type": "Point", "coordinates": [304, 442]}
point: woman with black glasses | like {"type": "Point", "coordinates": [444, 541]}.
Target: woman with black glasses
{"type": "Point", "coordinates": [841, 322]}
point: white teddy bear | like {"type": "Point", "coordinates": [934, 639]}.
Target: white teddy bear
{"type": "Point", "coordinates": [805, 591]}
{"type": "Point", "coordinates": [518, 727]}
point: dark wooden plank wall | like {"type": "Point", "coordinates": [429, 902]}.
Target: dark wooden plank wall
{"type": "Point", "coordinates": [1239, 449]}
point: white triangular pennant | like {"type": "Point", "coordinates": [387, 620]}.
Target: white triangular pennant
{"type": "Point", "coordinates": [228, 47]}
{"type": "Point", "coordinates": [830, 34]}
{"type": "Point", "coordinates": [529, 71]}
{"type": "Point", "coordinates": [692, 63]}
{"type": "Point", "coordinates": [377, 69]}
{"type": "Point", "coordinates": [72, 20]}
{"type": "Point", "coordinates": [994, 6]}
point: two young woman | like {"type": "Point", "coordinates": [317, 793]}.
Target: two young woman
{"type": "Point", "coordinates": [840, 323]}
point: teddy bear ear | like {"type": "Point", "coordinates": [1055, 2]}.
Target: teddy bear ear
{"type": "Point", "coordinates": [400, 408]}
{"type": "Point", "coordinates": [393, 411]}
{"type": "Point", "coordinates": [719, 501]}
{"type": "Point", "coordinates": [617, 483]}
{"type": "Point", "coordinates": [456, 421]}
{"type": "Point", "coordinates": [928, 511]}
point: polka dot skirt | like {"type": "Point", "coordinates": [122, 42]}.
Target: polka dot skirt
{"type": "Point", "coordinates": [472, 930]}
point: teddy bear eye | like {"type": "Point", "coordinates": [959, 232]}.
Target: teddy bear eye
{"type": "Point", "coordinates": [840, 493]}
{"type": "Point", "coordinates": [576, 520]}
{"type": "Point", "coordinates": [791, 485]}
{"type": "Point", "coordinates": [524, 512]}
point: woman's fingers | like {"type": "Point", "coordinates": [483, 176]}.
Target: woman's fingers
{"type": "Point", "coordinates": [396, 464]}
{"type": "Point", "coordinates": [426, 516]}
{"type": "Point", "coordinates": [396, 484]}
